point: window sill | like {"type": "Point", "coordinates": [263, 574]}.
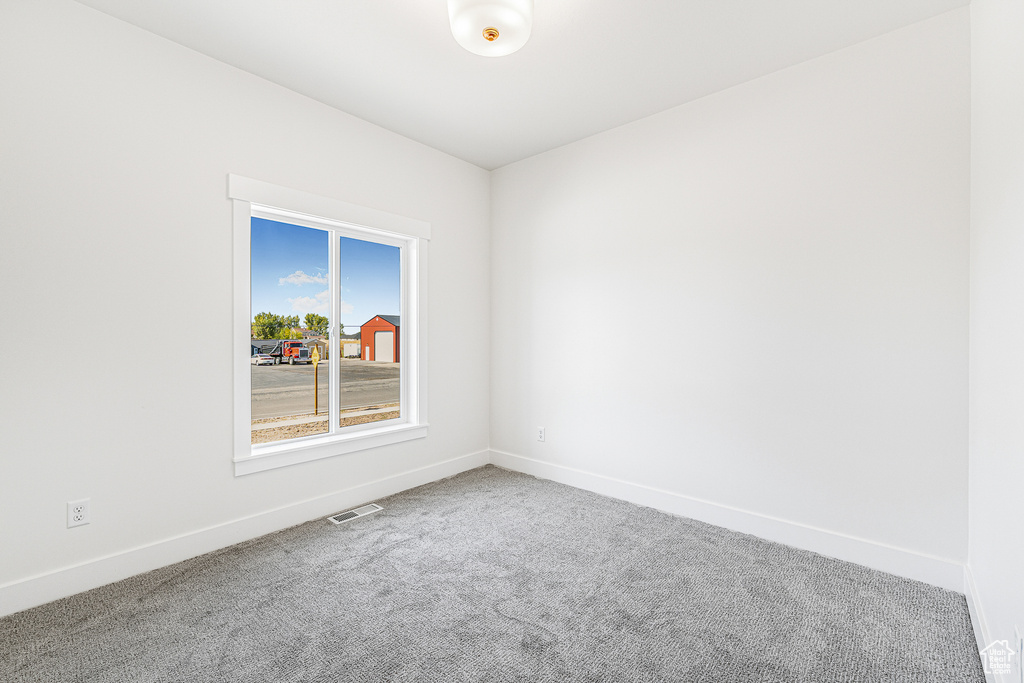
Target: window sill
{"type": "Point", "coordinates": [272, 456]}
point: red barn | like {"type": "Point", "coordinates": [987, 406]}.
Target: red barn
{"type": "Point", "coordinates": [380, 338]}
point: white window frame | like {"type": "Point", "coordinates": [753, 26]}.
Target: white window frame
{"type": "Point", "coordinates": [257, 198]}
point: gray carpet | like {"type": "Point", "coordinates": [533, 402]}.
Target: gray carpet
{"type": "Point", "coordinates": [497, 576]}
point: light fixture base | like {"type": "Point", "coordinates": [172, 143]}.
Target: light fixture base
{"type": "Point", "coordinates": [491, 28]}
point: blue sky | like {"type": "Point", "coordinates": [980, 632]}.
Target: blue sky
{"type": "Point", "coordinates": [290, 277]}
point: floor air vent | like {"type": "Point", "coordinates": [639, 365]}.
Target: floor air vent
{"type": "Point", "coordinates": [343, 517]}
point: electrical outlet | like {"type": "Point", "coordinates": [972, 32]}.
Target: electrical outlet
{"type": "Point", "coordinates": [78, 512]}
{"type": "Point", "coordinates": [540, 433]}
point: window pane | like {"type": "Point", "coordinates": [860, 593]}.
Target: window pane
{"type": "Point", "coordinates": [290, 304]}
{"type": "Point", "coordinates": [371, 290]}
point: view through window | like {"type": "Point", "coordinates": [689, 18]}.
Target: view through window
{"type": "Point", "coordinates": [325, 331]}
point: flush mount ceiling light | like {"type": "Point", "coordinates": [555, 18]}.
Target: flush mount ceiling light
{"type": "Point", "coordinates": [492, 28]}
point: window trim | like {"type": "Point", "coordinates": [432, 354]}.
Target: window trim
{"type": "Point", "coordinates": [254, 197]}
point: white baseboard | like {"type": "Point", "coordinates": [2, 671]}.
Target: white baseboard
{"type": "Point", "coordinates": [937, 571]}
{"type": "Point", "coordinates": [978, 623]}
{"type": "Point", "coordinates": [43, 588]}
{"type": "Point", "coordinates": [37, 590]}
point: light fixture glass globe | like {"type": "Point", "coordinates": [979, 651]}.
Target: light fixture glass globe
{"type": "Point", "coordinates": [473, 20]}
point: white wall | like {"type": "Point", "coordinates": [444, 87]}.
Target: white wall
{"type": "Point", "coordinates": [116, 278]}
{"type": "Point", "coordinates": [996, 558]}
{"type": "Point", "coordinates": [787, 264]}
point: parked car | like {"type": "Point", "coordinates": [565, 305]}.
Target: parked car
{"type": "Point", "coordinates": [262, 359]}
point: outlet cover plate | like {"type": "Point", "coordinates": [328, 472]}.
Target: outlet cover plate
{"type": "Point", "coordinates": [78, 512]}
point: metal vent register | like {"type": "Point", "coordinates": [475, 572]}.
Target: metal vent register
{"type": "Point", "coordinates": [348, 516]}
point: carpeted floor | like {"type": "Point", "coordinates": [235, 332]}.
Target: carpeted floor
{"type": "Point", "coordinates": [497, 576]}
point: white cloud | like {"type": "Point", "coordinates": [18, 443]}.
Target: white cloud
{"type": "Point", "coordinates": [301, 278]}
{"type": "Point", "coordinates": [321, 303]}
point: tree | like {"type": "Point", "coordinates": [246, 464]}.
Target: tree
{"type": "Point", "coordinates": [318, 323]}
{"type": "Point", "coordinates": [266, 326]}
{"type": "Point", "coordinates": [274, 326]}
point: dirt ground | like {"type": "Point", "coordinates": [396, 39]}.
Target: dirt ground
{"type": "Point", "coordinates": [310, 428]}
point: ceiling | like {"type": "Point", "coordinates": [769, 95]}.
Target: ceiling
{"type": "Point", "coordinates": [590, 65]}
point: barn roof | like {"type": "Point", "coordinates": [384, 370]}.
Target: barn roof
{"type": "Point", "coordinates": [395, 320]}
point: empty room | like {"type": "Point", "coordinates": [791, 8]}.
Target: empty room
{"type": "Point", "coordinates": [512, 340]}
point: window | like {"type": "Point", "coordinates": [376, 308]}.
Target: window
{"type": "Point", "coordinates": [328, 326]}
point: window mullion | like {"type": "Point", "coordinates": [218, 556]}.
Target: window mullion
{"type": "Point", "coordinates": [408, 322]}
{"type": "Point", "coordinates": [334, 338]}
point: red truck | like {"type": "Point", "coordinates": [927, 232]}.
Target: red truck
{"type": "Point", "coordinates": [289, 351]}
{"type": "Point", "coordinates": [295, 352]}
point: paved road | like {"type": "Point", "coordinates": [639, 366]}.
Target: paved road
{"type": "Point", "coordinates": [288, 389]}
